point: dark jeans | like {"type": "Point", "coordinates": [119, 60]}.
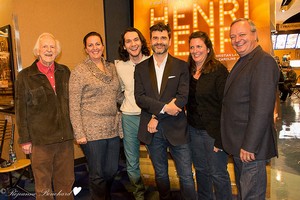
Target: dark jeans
{"type": "Point", "coordinates": [182, 158]}
{"type": "Point", "coordinates": [285, 90]}
{"type": "Point", "coordinates": [251, 179]}
{"type": "Point", "coordinates": [211, 167]}
{"type": "Point", "coordinates": [103, 160]}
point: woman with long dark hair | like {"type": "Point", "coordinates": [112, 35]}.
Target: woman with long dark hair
{"type": "Point", "coordinates": [208, 76]}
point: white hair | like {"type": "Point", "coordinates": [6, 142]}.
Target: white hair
{"type": "Point", "coordinates": [37, 44]}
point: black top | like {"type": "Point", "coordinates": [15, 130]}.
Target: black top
{"type": "Point", "coordinates": [205, 102]}
{"type": "Point", "coordinates": [193, 117]}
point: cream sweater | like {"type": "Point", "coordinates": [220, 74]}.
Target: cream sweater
{"type": "Point", "coordinates": [125, 72]}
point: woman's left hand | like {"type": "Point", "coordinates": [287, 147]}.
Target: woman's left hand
{"type": "Point", "coordinates": [81, 140]}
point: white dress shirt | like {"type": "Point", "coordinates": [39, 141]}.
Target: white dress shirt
{"type": "Point", "coordinates": [159, 71]}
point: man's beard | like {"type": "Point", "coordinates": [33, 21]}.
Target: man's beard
{"type": "Point", "coordinates": [161, 51]}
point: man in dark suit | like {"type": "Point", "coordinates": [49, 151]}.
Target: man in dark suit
{"type": "Point", "coordinates": [247, 123]}
{"type": "Point", "coordinates": [161, 91]}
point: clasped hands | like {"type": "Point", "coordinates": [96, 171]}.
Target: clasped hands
{"type": "Point", "coordinates": [170, 109]}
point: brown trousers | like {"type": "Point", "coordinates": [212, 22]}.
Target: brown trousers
{"type": "Point", "coordinates": [53, 165]}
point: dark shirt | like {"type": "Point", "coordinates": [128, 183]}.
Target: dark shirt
{"type": "Point", "coordinates": [291, 77]}
{"type": "Point", "coordinates": [205, 102]}
{"type": "Point", "coordinates": [193, 117]}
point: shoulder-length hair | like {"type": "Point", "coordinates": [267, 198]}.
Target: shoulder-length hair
{"type": "Point", "coordinates": [210, 62]}
{"type": "Point", "coordinates": [123, 53]}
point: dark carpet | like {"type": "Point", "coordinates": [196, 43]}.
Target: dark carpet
{"type": "Point", "coordinates": [120, 190]}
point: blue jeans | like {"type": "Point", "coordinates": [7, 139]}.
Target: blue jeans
{"type": "Point", "coordinates": [251, 179]}
{"type": "Point", "coordinates": [210, 166]}
{"type": "Point", "coordinates": [103, 161]}
{"type": "Point", "coordinates": [182, 158]}
{"type": "Point", "coordinates": [131, 143]}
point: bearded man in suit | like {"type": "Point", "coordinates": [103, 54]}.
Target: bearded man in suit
{"type": "Point", "coordinates": [161, 91]}
{"type": "Point", "coordinates": [247, 124]}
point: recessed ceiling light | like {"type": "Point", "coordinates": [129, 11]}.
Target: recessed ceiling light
{"type": "Point", "coordinates": [286, 4]}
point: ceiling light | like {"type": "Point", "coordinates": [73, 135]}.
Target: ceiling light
{"type": "Point", "coordinates": [286, 4]}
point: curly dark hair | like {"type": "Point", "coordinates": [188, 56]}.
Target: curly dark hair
{"type": "Point", "coordinates": [210, 62]}
{"type": "Point", "coordinates": [123, 54]}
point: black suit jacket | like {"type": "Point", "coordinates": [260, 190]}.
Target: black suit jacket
{"type": "Point", "coordinates": [248, 105]}
{"type": "Point", "coordinates": [175, 84]}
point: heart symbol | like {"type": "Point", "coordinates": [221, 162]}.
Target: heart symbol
{"type": "Point", "coordinates": [76, 190]}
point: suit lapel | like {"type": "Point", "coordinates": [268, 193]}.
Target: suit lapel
{"type": "Point", "coordinates": [238, 67]}
{"type": "Point", "coordinates": [153, 77]}
{"type": "Point", "coordinates": [166, 74]}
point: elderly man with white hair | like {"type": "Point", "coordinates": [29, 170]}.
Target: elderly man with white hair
{"type": "Point", "coordinates": [42, 114]}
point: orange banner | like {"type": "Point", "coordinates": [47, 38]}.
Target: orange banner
{"type": "Point", "coordinates": [213, 17]}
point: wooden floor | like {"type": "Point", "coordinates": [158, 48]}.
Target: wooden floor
{"type": "Point", "coordinates": [148, 173]}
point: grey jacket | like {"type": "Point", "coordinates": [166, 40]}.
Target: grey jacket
{"type": "Point", "coordinates": [248, 104]}
{"type": "Point", "coordinates": [43, 115]}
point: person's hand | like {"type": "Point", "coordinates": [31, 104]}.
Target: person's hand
{"type": "Point", "coordinates": [152, 125]}
{"type": "Point", "coordinates": [275, 117]}
{"type": "Point", "coordinates": [81, 140]}
{"type": "Point", "coordinates": [171, 108]}
{"type": "Point", "coordinates": [26, 148]}
{"type": "Point", "coordinates": [217, 149]}
{"type": "Point", "coordinates": [246, 156]}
